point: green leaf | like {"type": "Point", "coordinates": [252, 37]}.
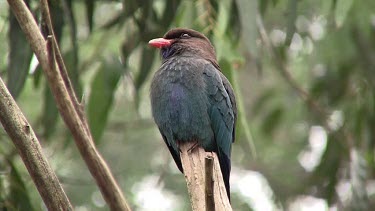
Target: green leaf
{"type": "Point", "coordinates": [37, 76]}
{"type": "Point", "coordinates": [19, 198]}
{"type": "Point", "coordinates": [292, 16]}
{"type": "Point", "coordinates": [234, 29]}
{"type": "Point", "coordinates": [183, 13]}
{"type": "Point", "coordinates": [90, 6]}
{"type": "Point", "coordinates": [223, 17]}
{"type": "Point", "coordinates": [20, 56]}
{"type": "Point", "coordinates": [58, 20]}
{"type": "Point", "coordinates": [263, 6]}
{"type": "Point", "coordinates": [225, 49]}
{"type": "Point", "coordinates": [170, 12]}
{"type": "Point", "coordinates": [247, 14]}
{"type": "Point", "coordinates": [50, 113]}
{"type": "Point", "coordinates": [272, 120]}
{"type": "Point", "coordinates": [358, 180]}
{"type": "Point", "coordinates": [342, 8]}
{"type": "Point", "coordinates": [71, 60]}
{"type": "Point", "coordinates": [147, 59]}
{"type": "Point", "coordinates": [102, 94]}
{"type": "Point", "coordinates": [241, 115]}
{"type": "Point", "coordinates": [71, 56]}
{"type": "Point", "coordinates": [324, 176]}
{"type": "Point", "coordinates": [226, 69]}
{"type": "Point", "coordinates": [261, 101]}
{"type": "Point", "coordinates": [130, 7]}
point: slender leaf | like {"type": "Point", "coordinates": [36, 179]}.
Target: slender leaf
{"type": "Point", "coordinates": [58, 20]}
{"type": "Point", "coordinates": [50, 113]}
{"type": "Point", "coordinates": [223, 17]}
{"type": "Point", "coordinates": [247, 14]}
{"type": "Point", "coordinates": [90, 6]}
{"type": "Point", "coordinates": [170, 12]}
{"type": "Point", "coordinates": [183, 13]}
{"type": "Point", "coordinates": [291, 20]}
{"type": "Point", "coordinates": [272, 120]}
{"type": "Point", "coordinates": [37, 76]}
{"type": "Point", "coordinates": [147, 59]}
{"type": "Point", "coordinates": [19, 197]}
{"type": "Point", "coordinates": [20, 56]}
{"type": "Point", "coordinates": [263, 5]}
{"type": "Point", "coordinates": [234, 29]}
{"type": "Point", "coordinates": [262, 101]}
{"type": "Point", "coordinates": [71, 57]}
{"type": "Point", "coordinates": [358, 177]}
{"type": "Point", "coordinates": [128, 46]}
{"type": "Point", "coordinates": [241, 118]}
{"type": "Point", "coordinates": [102, 95]}
{"type": "Point", "coordinates": [342, 8]}
{"type": "Point", "coordinates": [325, 174]}
{"type": "Point", "coordinates": [226, 69]}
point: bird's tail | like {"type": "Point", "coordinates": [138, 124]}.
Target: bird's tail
{"type": "Point", "coordinates": [225, 167]}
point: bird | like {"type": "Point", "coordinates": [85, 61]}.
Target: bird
{"type": "Point", "coordinates": [191, 99]}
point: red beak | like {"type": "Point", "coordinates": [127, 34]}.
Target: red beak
{"type": "Point", "coordinates": [159, 42]}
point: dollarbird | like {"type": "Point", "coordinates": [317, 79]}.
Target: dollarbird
{"type": "Point", "coordinates": [191, 99]}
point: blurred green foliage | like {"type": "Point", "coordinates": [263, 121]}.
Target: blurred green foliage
{"type": "Point", "coordinates": [296, 66]}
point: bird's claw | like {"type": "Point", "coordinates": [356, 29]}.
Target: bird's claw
{"type": "Point", "coordinates": [195, 145]}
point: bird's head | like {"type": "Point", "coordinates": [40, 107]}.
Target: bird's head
{"type": "Point", "coordinates": [182, 41]}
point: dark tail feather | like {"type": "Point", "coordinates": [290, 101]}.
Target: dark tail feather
{"type": "Point", "coordinates": [174, 152]}
{"type": "Point", "coordinates": [225, 167]}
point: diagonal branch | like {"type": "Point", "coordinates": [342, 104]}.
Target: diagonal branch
{"type": "Point", "coordinates": [27, 144]}
{"type": "Point", "coordinates": [66, 102]}
{"type": "Point", "coordinates": [59, 59]}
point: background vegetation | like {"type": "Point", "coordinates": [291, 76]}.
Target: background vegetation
{"type": "Point", "coordinates": [304, 76]}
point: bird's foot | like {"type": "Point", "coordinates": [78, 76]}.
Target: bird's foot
{"type": "Point", "coordinates": [195, 145]}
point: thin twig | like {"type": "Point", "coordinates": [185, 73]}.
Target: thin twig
{"type": "Point", "coordinates": [46, 17]}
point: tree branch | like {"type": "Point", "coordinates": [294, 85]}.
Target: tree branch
{"type": "Point", "coordinates": [193, 163]}
{"type": "Point", "coordinates": [67, 104]}
{"type": "Point", "coordinates": [46, 17]}
{"type": "Point", "coordinates": [27, 144]}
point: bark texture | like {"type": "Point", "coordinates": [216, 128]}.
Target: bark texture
{"type": "Point", "coordinates": [28, 147]}
{"type": "Point", "coordinates": [193, 163]}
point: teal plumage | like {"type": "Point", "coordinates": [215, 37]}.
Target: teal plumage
{"type": "Point", "coordinates": [191, 99]}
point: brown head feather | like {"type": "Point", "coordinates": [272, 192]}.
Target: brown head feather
{"type": "Point", "coordinates": [188, 41]}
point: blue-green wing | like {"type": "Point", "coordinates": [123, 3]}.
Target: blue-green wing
{"type": "Point", "coordinates": [221, 111]}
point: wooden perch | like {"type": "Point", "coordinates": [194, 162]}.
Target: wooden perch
{"type": "Point", "coordinates": [209, 183]}
{"type": "Point", "coordinates": [28, 147]}
{"type": "Point", "coordinates": [194, 165]}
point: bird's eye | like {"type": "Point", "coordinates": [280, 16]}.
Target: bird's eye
{"type": "Point", "coordinates": [185, 35]}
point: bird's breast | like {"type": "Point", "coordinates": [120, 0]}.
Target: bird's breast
{"type": "Point", "coordinates": [179, 102]}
